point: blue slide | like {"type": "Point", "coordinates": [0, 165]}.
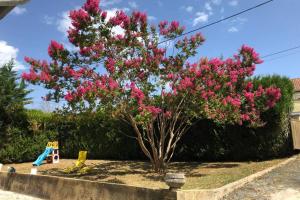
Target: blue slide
{"type": "Point", "coordinates": [42, 157]}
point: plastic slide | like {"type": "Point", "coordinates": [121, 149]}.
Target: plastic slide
{"type": "Point", "coordinates": [43, 156]}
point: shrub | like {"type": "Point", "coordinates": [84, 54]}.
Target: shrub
{"type": "Point", "coordinates": [208, 141]}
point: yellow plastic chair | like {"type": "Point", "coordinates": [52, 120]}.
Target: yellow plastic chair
{"type": "Point", "coordinates": [81, 158]}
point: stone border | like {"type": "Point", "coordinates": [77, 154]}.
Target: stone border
{"type": "Point", "coordinates": [218, 193]}
{"type": "Point", "coordinates": [57, 188]}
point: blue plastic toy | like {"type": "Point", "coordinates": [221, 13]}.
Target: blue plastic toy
{"type": "Point", "coordinates": [43, 156]}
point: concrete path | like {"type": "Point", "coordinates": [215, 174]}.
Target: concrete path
{"type": "Point", "coordinates": [5, 195]}
{"type": "Point", "coordinates": [281, 184]}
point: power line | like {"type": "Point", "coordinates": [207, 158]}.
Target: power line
{"type": "Point", "coordinates": [283, 56]}
{"type": "Point", "coordinates": [280, 52]}
{"type": "Point", "coordinates": [218, 21]}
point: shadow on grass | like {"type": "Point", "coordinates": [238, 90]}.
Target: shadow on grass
{"type": "Point", "coordinates": [111, 170]}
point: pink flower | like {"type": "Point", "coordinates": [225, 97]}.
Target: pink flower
{"type": "Point", "coordinates": [55, 48]}
{"type": "Point", "coordinates": [92, 6]}
{"type": "Point", "coordinates": [45, 77]}
{"type": "Point", "coordinates": [69, 97]}
{"type": "Point", "coordinates": [110, 65]}
{"type": "Point", "coordinates": [112, 84]}
{"type": "Point", "coordinates": [103, 15]}
{"type": "Point", "coordinates": [79, 17]}
{"type": "Point", "coordinates": [250, 52]}
{"type": "Point", "coordinates": [168, 114]}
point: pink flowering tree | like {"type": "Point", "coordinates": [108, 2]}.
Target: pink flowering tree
{"type": "Point", "coordinates": [119, 66]}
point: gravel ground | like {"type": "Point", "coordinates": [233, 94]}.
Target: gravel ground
{"type": "Point", "coordinates": [281, 184]}
{"type": "Point", "coordinates": [5, 195]}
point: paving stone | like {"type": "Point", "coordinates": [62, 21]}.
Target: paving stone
{"type": "Point", "coordinates": [5, 195]}
{"type": "Point", "coordinates": [280, 184]}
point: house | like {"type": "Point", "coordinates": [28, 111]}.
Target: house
{"type": "Point", "coordinates": [7, 5]}
{"type": "Point", "coordinates": [296, 110]}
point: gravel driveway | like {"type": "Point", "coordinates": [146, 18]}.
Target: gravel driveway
{"type": "Point", "coordinates": [5, 195]}
{"type": "Point", "coordinates": [281, 184]}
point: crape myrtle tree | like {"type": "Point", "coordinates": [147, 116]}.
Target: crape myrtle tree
{"type": "Point", "coordinates": [131, 76]}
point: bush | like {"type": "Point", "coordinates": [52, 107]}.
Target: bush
{"type": "Point", "coordinates": [207, 141]}
{"type": "Point", "coordinates": [102, 137]}
{"type": "Point", "coordinates": [107, 138]}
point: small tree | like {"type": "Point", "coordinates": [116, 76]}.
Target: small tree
{"type": "Point", "coordinates": [13, 97]}
{"type": "Point", "coordinates": [131, 76]}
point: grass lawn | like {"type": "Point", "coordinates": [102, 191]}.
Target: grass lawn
{"type": "Point", "coordinates": [199, 175]}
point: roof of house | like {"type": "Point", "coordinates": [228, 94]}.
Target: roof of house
{"type": "Point", "coordinates": [296, 82]}
{"type": "Point", "coordinates": [7, 5]}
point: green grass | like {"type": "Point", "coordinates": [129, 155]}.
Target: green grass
{"type": "Point", "coordinates": [199, 175]}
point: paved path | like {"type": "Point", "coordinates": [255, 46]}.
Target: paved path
{"type": "Point", "coordinates": [281, 184]}
{"type": "Point", "coordinates": [5, 195]}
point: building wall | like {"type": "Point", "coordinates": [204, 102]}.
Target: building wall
{"type": "Point", "coordinates": [296, 102]}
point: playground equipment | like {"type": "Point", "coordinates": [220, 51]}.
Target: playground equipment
{"type": "Point", "coordinates": [51, 154]}
{"type": "Point", "coordinates": [81, 158]}
{"type": "Point", "coordinates": [54, 156]}
{"type": "Point", "coordinates": [80, 163]}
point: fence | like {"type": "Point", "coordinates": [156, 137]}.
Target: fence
{"type": "Point", "coordinates": [295, 123]}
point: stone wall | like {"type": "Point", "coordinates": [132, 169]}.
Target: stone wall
{"type": "Point", "coordinates": [57, 188]}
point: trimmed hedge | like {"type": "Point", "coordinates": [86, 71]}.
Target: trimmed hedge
{"type": "Point", "coordinates": [27, 143]}
{"type": "Point", "coordinates": [106, 138]}
{"type": "Point", "coordinates": [207, 141]}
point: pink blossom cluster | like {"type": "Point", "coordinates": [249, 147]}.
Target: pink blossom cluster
{"type": "Point", "coordinates": [136, 93]}
{"type": "Point", "coordinates": [55, 49]}
{"type": "Point", "coordinates": [102, 87]}
{"type": "Point", "coordinates": [222, 83]}
{"type": "Point", "coordinates": [110, 65]}
{"type": "Point", "coordinates": [169, 29]}
{"type": "Point", "coordinates": [119, 18]}
{"type": "Point", "coordinates": [196, 39]}
{"type": "Point", "coordinates": [273, 95]}
{"type": "Point", "coordinates": [79, 17]}
{"type": "Point", "coordinates": [92, 7]}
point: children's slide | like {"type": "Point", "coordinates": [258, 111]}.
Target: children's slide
{"type": "Point", "coordinates": [43, 156]}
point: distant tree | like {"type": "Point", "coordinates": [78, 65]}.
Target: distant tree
{"type": "Point", "coordinates": [13, 97]}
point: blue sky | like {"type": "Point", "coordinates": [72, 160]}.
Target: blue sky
{"type": "Point", "coordinates": [28, 29]}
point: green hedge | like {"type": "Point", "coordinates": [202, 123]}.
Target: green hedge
{"type": "Point", "coordinates": [103, 138]}
{"type": "Point", "coordinates": [106, 138]}
{"type": "Point", "coordinates": [207, 141]}
{"type": "Point", "coordinates": [26, 143]}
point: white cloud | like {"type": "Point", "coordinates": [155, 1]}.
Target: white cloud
{"type": "Point", "coordinates": [48, 20]}
{"type": "Point", "coordinates": [64, 23]}
{"type": "Point", "coordinates": [19, 10]}
{"type": "Point", "coordinates": [233, 29]}
{"type": "Point", "coordinates": [133, 4]}
{"type": "Point", "coordinates": [111, 13]}
{"type": "Point", "coordinates": [216, 2]}
{"type": "Point", "coordinates": [189, 8]}
{"type": "Point", "coordinates": [200, 18]}
{"type": "Point", "coordinates": [106, 3]}
{"type": "Point", "coordinates": [208, 6]}
{"type": "Point", "coordinates": [7, 53]}
{"type": "Point", "coordinates": [239, 20]}
{"type": "Point", "coordinates": [151, 18]}
{"type": "Point", "coordinates": [233, 3]}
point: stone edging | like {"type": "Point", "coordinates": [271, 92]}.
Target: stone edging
{"type": "Point", "coordinates": [218, 193]}
{"type": "Point", "coordinates": [57, 188]}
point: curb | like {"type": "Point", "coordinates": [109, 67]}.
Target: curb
{"type": "Point", "coordinates": [219, 193]}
